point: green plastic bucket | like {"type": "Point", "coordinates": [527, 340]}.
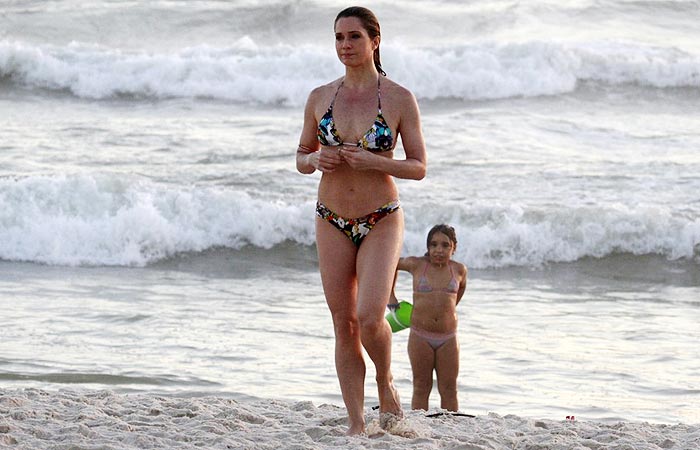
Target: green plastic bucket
{"type": "Point", "coordinates": [400, 318]}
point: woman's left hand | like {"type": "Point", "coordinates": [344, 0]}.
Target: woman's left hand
{"type": "Point", "coordinates": [358, 158]}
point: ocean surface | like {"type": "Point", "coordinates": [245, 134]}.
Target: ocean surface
{"type": "Point", "coordinates": [156, 239]}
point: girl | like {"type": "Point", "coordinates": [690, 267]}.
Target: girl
{"type": "Point", "coordinates": [438, 286]}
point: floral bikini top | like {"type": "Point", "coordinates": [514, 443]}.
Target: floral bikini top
{"type": "Point", "coordinates": [377, 139]}
{"type": "Point", "coordinates": [424, 286]}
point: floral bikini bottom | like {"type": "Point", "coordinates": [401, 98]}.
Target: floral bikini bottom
{"type": "Point", "coordinates": [356, 229]}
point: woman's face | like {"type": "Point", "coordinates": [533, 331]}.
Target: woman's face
{"type": "Point", "coordinates": [440, 248]}
{"type": "Point", "coordinates": [352, 43]}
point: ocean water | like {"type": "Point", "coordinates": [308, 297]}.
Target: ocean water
{"type": "Point", "coordinates": [156, 238]}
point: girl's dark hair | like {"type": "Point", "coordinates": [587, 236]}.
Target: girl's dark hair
{"type": "Point", "coordinates": [444, 229]}
{"type": "Point", "coordinates": [370, 23]}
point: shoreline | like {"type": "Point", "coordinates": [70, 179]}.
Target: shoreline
{"type": "Point", "coordinates": [82, 419]}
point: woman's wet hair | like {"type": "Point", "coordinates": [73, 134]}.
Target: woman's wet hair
{"type": "Point", "coordinates": [444, 229]}
{"type": "Point", "coordinates": [371, 25]}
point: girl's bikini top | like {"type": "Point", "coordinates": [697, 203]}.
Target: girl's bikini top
{"type": "Point", "coordinates": [424, 286]}
{"type": "Point", "coordinates": [377, 139]}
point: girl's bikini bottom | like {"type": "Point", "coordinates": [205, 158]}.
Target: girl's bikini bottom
{"type": "Point", "coordinates": [435, 340]}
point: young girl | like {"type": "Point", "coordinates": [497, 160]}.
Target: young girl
{"type": "Point", "coordinates": [438, 286]}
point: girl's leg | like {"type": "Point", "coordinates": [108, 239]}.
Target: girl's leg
{"type": "Point", "coordinates": [336, 255]}
{"type": "Point", "coordinates": [422, 357]}
{"type": "Point", "coordinates": [376, 266]}
{"type": "Point", "coordinates": [447, 368]}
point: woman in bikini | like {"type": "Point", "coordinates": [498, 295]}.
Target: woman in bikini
{"type": "Point", "coordinates": [438, 286]}
{"type": "Point", "coordinates": [351, 127]}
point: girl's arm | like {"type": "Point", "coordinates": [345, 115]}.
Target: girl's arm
{"type": "Point", "coordinates": [405, 264]}
{"type": "Point", "coordinates": [463, 281]}
{"type": "Point", "coordinates": [392, 297]}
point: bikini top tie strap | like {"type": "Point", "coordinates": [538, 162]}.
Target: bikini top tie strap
{"type": "Point", "coordinates": [336, 94]}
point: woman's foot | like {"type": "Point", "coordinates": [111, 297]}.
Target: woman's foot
{"type": "Point", "coordinates": [389, 404]}
{"type": "Point", "coordinates": [356, 430]}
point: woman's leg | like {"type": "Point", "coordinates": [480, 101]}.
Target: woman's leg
{"type": "Point", "coordinates": [376, 266]}
{"type": "Point", "coordinates": [336, 255]}
{"type": "Point", "coordinates": [447, 368]}
{"type": "Point", "coordinates": [422, 357]}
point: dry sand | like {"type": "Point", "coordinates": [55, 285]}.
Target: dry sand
{"type": "Point", "coordinates": [39, 419]}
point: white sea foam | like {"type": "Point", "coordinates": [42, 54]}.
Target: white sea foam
{"type": "Point", "coordinates": [117, 220]}
{"type": "Point", "coordinates": [284, 74]}
{"type": "Point", "coordinates": [37, 419]}
{"type": "Point", "coordinates": [105, 220]}
{"type": "Point", "coordinates": [513, 235]}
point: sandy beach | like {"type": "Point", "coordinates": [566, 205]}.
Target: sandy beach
{"type": "Point", "coordinates": [40, 419]}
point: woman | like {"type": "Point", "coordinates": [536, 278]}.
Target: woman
{"type": "Point", "coordinates": [438, 286]}
{"type": "Point", "coordinates": [351, 127]}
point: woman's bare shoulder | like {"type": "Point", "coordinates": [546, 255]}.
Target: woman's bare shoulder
{"type": "Point", "coordinates": [324, 90]}
{"type": "Point", "coordinates": [399, 99]}
{"type": "Point", "coordinates": [396, 91]}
